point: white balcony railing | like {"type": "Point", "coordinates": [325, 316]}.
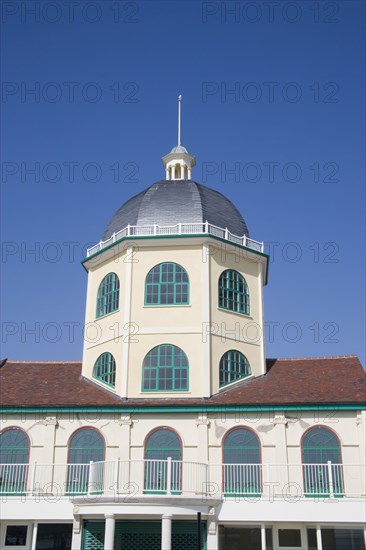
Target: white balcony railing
{"type": "Point", "coordinates": [177, 229]}
{"type": "Point", "coordinates": [172, 477]}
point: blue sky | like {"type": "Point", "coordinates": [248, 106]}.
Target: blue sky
{"type": "Point", "coordinates": [273, 108]}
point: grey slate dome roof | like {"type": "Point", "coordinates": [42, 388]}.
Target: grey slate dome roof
{"type": "Point", "coordinates": [177, 201]}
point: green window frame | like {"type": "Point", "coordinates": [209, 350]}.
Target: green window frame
{"type": "Point", "coordinates": [105, 369]}
{"type": "Point", "coordinates": [242, 463]}
{"type": "Point", "coordinates": [234, 292]}
{"type": "Point", "coordinates": [233, 366]}
{"type": "Point", "coordinates": [167, 284]}
{"type": "Point", "coordinates": [85, 445]}
{"type": "Point", "coordinates": [160, 445]}
{"type": "Point", "coordinates": [108, 295]}
{"type": "Point", "coordinates": [14, 459]}
{"type": "Point", "coordinates": [319, 446]}
{"type": "Point", "coordinates": [165, 369]}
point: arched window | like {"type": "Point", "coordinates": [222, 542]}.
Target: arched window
{"type": "Point", "coordinates": [321, 456]}
{"type": "Point", "coordinates": [165, 368]}
{"type": "Point", "coordinates": [85, 445]}
{"type": "Point", "coordinates": [14, 458]}
{"type": "Point", "coordinates": [105, 369]}
{"type": "Point", "coordinates": [233, 366]}
{"type": "Point", "coordinates": [234, 292]}
{"type": "Point", "coordinates": [242, 463]}
{"type": "Point", "coordinates": [167, 284]}
{"type": "Point", "coordinates": [161, 446]}
{"type": "Point", "coordinates": [108, 295]}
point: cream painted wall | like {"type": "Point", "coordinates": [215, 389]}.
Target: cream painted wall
{"type": "Point", "coordinates": [129, 443]}
{"type": "Point", "coordinates": [233, 330]}
{"type": "Point", "coordinates": [201, 329]}
{"type": "Point", "coordinates": [202, 437]}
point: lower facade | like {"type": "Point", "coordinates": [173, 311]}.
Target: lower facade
{"type": "Point", "coordinates": [231, 525]}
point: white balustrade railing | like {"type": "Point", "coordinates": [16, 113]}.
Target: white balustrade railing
{"type": "Point", "coordinates": [13, 478]}
{"type": "Point", "coordinates": [177, 229]}
{"type": "Point", "coordinates": [287, 481]}
{"type": "Point", "coordinates": [127, 478]}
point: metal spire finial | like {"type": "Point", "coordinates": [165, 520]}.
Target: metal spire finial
{"type": "Point", "coordinates": [179, 108]}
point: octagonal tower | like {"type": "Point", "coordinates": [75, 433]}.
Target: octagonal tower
{"type": "Point", "coordinates": [175, 293]}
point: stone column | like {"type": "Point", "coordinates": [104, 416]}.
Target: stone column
{"type": "Point", "coordinates": [206, 321]}
{"type": "Point", "coordinates": [280, 423]}
{"type": "Point", "coordinates": [126, 319]}
{"type": "Point", "coordinates": [166, 532]}
{"type": "Point", "coordinates": [319, 537]}
{"type": "Point", "coordinates": [110, 523]}
{"type": "Point", "coordinates": [76, 530]}
{"type": "Point", "coordinates": [50, 424]}
{"type": "Point", "coordinates": [212, 530]}
{"type": "Point", "coordinates": [361, 449]}
{"type": "Point", "coordinates": [127, 483]}
{"type": "Point", "coordinates": [203, 424]}
{"type": "Point", "coordinates": [125, 422]}
{"type": "Point", "coordinates": [34, 536]}
{"type": "Point", "coordinates": [263, 537]}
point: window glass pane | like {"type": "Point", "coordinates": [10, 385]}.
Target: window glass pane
{"type": "Point", "coordinates": [171, 282]}
{"type": "Point", "coordinates": [269, 538]}
{"type": "Point", "coordinates": [108, 295]}
{"type": "Point", "coordinates": [242, 471]}
{"type": "Point", "coordinates": [233, 292]}
{"type": "Point", "coordinates": [16, 535]}
{"type": "Point", "coordinates": [319, 446]}
{"type": "Point", "coordinates": [54, 536]}
{"type": "Point", "coordinates": [162, 444]}
{"type": "Point", "coordinates": [86, 445]}
{"type": "Point", "coordinates": [289, 538]}
{"type": "Point", "coordinates": [233, 366]}
{"type": "Point", "coordinates": [170, 365]}
{"type": "Point", "coordinates": [105, 369]}
{"type": "Point", "coordinates": [343, 539]}
{"type": "Point", "coordinates": [235, 538]}
{"type": "Point", "coordinates": [312, 543]}
{"type": "Point", "coordinates": [14, 447]}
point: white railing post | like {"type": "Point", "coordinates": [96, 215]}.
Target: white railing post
{"type": "Point", "coordinates": [268, 478]}
{"type": "Point", "coordinates": [91, 477]}
{"type": "Point", "coordinates": [169, 476]}
{"type": "Point", "coordinates": [32, 477]}
{"type": "Point", "coordinates": [116, 476]}
{"type": "Point", "coordinates": [207, 479]}
{"type": "Point", "coordinates": [183, 229]}
{"type": "Point", "coordinates": [330, 478]}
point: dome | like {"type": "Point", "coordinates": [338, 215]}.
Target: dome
{"type": "Point", "coordinates": [177, 201]}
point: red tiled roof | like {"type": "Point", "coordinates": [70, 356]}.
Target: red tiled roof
{"type": "Point", "coordinates": [288, 381]}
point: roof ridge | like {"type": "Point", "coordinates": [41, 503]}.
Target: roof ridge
{"type": "Point", "coordinates": [310, 358]}
{"type": "Point", "coordinates": [30, 361]}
